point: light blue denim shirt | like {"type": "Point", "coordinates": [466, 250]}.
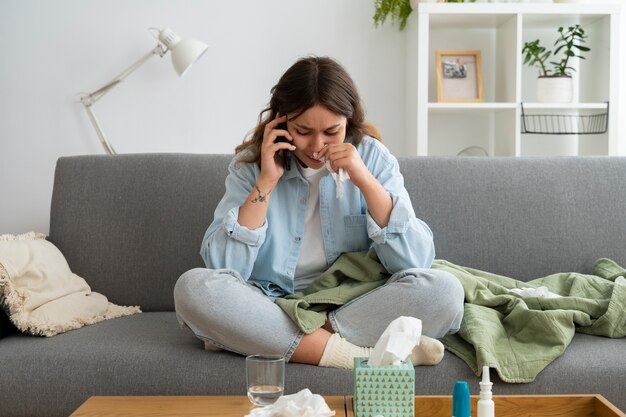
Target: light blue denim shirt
{"type": "Point", "coordinates": [267, 256]}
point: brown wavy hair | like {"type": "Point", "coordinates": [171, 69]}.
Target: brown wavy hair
{"type": "Point", "coordinates": [311, 80]}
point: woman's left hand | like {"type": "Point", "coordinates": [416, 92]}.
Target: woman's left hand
{"type": "Point", "coordinates": [345, 155]}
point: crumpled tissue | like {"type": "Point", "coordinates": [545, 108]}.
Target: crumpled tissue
{"type": "Point", "coordinates": [340, 177]}
{"type": "Point", "coordinates": [396, 342]}
{"type": "Point", "coordinates": [539, 292]}
{"type": "Point", "coordinates": [301, 404]}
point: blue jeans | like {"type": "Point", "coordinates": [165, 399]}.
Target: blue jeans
{"type": "Point", "coordinates": [223, 310]}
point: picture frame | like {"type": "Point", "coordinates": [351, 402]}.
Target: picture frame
{"type": "Point", "coordinates": [459, 76]}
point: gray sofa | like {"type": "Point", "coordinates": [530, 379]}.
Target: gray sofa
{"type": "Point", "coordinates": [132, 224]}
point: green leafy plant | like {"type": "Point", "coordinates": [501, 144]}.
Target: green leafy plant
{"type": "Point", "coordinates": [569, 43]}
{"type": "Point", "coordinates": [396, 10]}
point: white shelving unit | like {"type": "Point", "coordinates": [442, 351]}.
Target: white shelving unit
{"type": "Point", "coordinates": [499, 31]}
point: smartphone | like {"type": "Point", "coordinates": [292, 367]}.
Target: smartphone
{"type": "Point", "coordinates": [281, 126]}
{"type": "Point", "coordinates": [286, 158]}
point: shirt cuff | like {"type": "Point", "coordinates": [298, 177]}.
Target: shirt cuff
{"type": "Point", "coordinates": [241, 233]}
{"type": "Point", "coordinates": [399, 222]}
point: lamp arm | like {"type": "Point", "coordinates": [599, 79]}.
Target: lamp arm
{"type": "Point", "coordinates": [89, 99]}
{"type": "Point", "coordinates": [94, 121]}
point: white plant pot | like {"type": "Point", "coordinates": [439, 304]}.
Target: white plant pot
{"type": "Point", "coordinates": [555, 89]}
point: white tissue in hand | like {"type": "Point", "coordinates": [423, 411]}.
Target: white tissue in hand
{"type": "Point", "coordinates": [396, 342]}
{"type": "Point", "coordinates": [340, 177]}
{"type": "Point", "coordinates": [300, 404]}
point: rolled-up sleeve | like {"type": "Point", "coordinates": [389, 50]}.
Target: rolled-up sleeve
{"type": "Point", "coordinates": [226, 243]}
{"type": "Point", "coordinates": [241, 233]}
{"type": "Point", "coordinates": [406, 241]}
{"type": "Point", "coordinates": [399, 222]}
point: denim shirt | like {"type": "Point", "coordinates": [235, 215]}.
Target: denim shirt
{"type": "Point", "coordinates": [267, 256]}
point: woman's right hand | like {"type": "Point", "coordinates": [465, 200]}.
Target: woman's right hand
{"type": "Point", "coordinates": [271, 151]}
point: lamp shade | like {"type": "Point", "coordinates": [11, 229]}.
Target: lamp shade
{"type": "Point", "coordinates": [184, 51]}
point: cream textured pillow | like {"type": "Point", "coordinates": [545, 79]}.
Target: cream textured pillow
{"type": "Point", "coordinates": [41, 295]}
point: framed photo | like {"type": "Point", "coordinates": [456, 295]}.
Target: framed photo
{"type": "Point", "coordinates": [459, 76]}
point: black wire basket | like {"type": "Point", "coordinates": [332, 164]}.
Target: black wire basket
{"type": "Point", "coordinates": [565, 124]}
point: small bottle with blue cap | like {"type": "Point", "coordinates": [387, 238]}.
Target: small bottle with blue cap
{"type": "Point", "coordinates": [460, 400]}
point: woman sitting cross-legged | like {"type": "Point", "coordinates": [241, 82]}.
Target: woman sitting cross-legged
{"type": "Point", "coordinates": [282, 222]}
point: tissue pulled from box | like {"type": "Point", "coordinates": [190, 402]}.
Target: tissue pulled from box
{"type": "Point", "coordinates": [396, 342]}
{"type": "Point", "coordinates": [301, 404]}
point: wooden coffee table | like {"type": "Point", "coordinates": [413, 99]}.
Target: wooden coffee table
{"type": "Point", "coordinates": [432, 406]}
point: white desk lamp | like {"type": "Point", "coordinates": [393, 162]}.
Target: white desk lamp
{"type": "Point", "coordinates": [184, 53]}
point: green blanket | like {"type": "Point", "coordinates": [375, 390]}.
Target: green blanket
{"type": "Point", "coordinates": [517, 336]}
{"type": "Point", "coordinates": [521, 336]}
{"type": "Point", "coordinates": [352, 275]}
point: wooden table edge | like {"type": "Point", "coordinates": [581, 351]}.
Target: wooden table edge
{"type": "Point", "coordinates": [602, 406]}
{"type": "Point", "coordinates": [239, 405]}
{"type": "Point", "coordinates": [188, 405]}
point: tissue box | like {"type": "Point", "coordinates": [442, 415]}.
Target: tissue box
{"type": "Point", "coordinates": [385, 390]}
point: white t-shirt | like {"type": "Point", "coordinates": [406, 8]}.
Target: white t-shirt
{"type": "Point", "coordinates": [312, 260]}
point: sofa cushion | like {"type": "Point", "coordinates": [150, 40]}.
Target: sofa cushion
{"type": "Point", "coordinates": [149, 354]}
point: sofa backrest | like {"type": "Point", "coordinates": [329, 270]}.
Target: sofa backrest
{"type": "Point", "coordinates": [132, 224]}
{"type": "Point", "coordinates": [522, 217]}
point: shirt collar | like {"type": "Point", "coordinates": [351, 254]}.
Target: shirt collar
{"type": "Point", "coordinates": [294, 172]}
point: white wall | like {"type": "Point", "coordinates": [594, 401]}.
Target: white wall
{"type": "Point", "coordinates": [54, 50]}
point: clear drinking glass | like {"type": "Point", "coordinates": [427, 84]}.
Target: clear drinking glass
{"type": "Point", "coordinates": [265, 378]}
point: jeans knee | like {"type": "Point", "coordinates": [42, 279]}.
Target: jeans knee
{"type": "Point", "coordinates": [201, 289]}
{"type": "Point", "coordinates": [204, 280]}
{"type": "Point", "coordinates": [198, 298]}
{"type": "Point", "coordinates": [444, 295]}
{"type": "Point", "coordinates": [453, 287]}
{"type": "Point", "coordinates": [185, 283]}
{"type": "Point", "coordinates": [455, 299]}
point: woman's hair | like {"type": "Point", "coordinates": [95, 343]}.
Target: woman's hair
{"type": "Point", "coordinates": [310, 81]}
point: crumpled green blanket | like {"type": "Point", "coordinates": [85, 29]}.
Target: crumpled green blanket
{"type": "Point", "coordinates": [518, 336]}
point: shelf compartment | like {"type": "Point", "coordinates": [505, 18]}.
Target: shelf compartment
{"type": "Point", "coordinates": [565, 124]}
{"type": "Point", "coordinates": [489, 129]}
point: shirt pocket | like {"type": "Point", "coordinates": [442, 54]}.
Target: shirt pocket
{"type": "Point", "coordinates": [355, 237]}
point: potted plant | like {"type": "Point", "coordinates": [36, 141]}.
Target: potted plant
{"type": "Point", "coordinates": [396, 10]}
{"type": "Point", "coordinates": [399, 10]}
{"type": "Point", "coordinates": [555, 85]}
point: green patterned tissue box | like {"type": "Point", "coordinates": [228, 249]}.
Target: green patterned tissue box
{"type": "Point", "coordinates": [385, 390]}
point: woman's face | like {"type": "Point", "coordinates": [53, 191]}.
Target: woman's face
{"type": "Point", "coordinates": [314, 129]}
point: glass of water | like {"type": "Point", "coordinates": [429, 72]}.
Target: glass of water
{"type": "Point", "coordinates": [265, 378]}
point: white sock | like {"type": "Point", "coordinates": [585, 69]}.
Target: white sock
{"type": "Point", "coordinates": [339, 353]}
{"type": "Point", "coordinates": [428, 352]}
